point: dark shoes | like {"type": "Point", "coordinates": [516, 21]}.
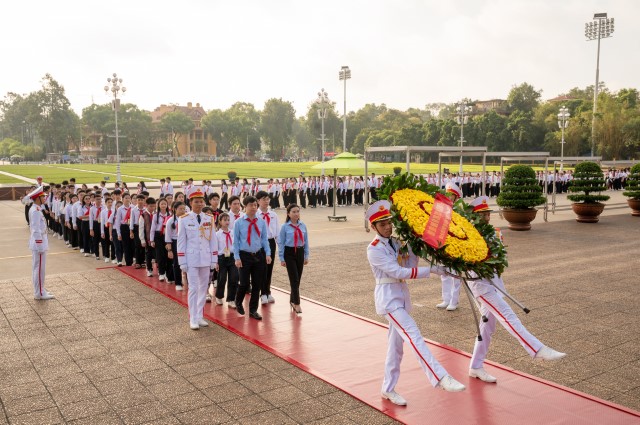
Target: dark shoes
{"type": "Point", "coordinates": [240, 309]}
{"type": "Point", "coordinates": [255, 315]}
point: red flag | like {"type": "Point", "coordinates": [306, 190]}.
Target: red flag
{"type": "Point", "coordinates": [437, 228]}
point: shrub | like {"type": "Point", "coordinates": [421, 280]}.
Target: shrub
{"type": "Point", "coordinates": [520, 188]}
{"type": "Point", "coordinates": [587, 179]}
{"type": "Point", "coordinates": [232, 175]}
{"type": "Point", "coordinates": [397, 170]}
{"type": "Point", "coordinates": [632, 190]}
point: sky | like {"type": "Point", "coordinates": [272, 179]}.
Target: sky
{"type": "Point", "coordinates": [403, 53]}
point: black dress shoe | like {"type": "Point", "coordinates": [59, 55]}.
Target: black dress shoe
{"type": "Point", "coordinates": [255, 315]}
{"type": "Point", "coordinates": [240, 309]}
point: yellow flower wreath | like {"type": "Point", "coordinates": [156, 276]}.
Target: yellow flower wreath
{"type": "Point", "coordinates": [463, 241]}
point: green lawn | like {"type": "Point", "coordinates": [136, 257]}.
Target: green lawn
{"type": "Point", "coordinates": [91, 173]}
{"type": "Point", "coordinates": [10, 180]}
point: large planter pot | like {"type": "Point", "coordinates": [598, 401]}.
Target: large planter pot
{"type": "Point", "coordinates": [519, 219]}
{"type": "Point", "coordinates": [634, 204]}
{"type": "Point", "coordinates": [587, 213]}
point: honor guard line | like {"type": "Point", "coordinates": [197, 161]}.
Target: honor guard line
{"type": "Point", "coordinates": [478, 151]}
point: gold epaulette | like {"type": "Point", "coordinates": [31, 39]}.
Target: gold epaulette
{"type": "Point", "coordinates": [184, 215]}
{"type": "Point", "coordinates": [209, 214]}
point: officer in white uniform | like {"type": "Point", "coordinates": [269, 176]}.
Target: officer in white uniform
{"type": "Point", "coordinates": [393, 302]}
{"type": "Point", "coordinates": [495, 308]}
{"type": "Point", "coordinates": [197, 255]}
{"type": "Point", "coordinates": [38, 244]}
{"type": "Point", "coordinates": [451, 285]}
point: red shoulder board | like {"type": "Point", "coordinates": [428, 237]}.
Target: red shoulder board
{"type": "Point", "coordinates": [374, 243]}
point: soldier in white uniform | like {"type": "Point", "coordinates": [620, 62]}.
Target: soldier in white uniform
{"type": "Point", "coordinates": [495, 308]}
{"type": "Point", "coordinates": [197, 255]}
{"type": "Point", "coordinates": [38, 244]}
{"type": "Point", "coordinates": [450, 285]}
{"type": "Point", "coordinates": [393, 302]}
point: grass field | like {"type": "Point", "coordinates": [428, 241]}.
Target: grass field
{"type": "Point", "coordinates": [9, 180]}
{"type": "Point", "coordinates": [90, 173]}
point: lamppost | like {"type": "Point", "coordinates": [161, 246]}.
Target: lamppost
{"type": "Point", "coordinates": [601, 27]}
{"type": "Point", "coordinates": [463, 111]}
{"type": "Point", "coordinates": [322, 101]}
{"type": "Point", "coordinates": [563, 122]}
{"type": "Point", "coordinates": [344, 74]}
{"type": "Point", "coordinates": [114, 84]}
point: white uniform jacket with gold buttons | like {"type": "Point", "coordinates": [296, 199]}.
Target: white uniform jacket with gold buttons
{"type": "Point", "coordinates": [390, 272]}
{"type": "Point", "coordinates": [197, 243]}
{"type": "Point", "coordinates": [38, 240]}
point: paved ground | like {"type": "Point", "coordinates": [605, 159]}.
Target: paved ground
{"type": "Point", "coordinates": [109, 350]}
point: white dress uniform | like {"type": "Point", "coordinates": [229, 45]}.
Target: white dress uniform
{"type": "Point", "coordinates": [197, 255]}
{"type": "Point", "coordinates": [39, 245]}
{"type": "Point", "coordinates": [392, 301]}
{"type": "Point", "coordinates": [495, 308]}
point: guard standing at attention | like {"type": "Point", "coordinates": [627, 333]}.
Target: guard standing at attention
{"type": "Point", "coordinates": [390, 269]}
{"type": "Point", "coordinates": [38, 244]}
{"type": "Point", "coordinates": [197, 255]}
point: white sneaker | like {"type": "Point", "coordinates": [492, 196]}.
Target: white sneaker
{"type": "Point", "coordinates": [271, 299]}
{"type": "Point", "coordinates": [44, 296]}
{"type": "Point", "coordinates": [219, 301]}
{"type": "Point", "coordinates": [86, 254]}
{"type": "Point", "coordinates": [194, 326]}
{"type": "Point", "coordinates": [394, 398]}
{"type": "Point", "coordinates": [482, 375]}
{"type": "Point", "coordinates": [161, 277]}
{"type": "Point", "coordinates": [231, 304]}
{"type": "Point", "coordinates": [443, 304]}
{"type": "Point", "coordinates": [149, 273]}
{"type": "Point", "coordinates": [97, 258]}
{"type": "Point", "coordinates": [203, 323]}
{"type": "Point", "coordinates": [106, 260]}
{"type": "Point", "coordinates": [81, 251]}
{"type": "Point", "coordinates": [114, 261]}
{"type": "Point", "coordinates": [452, 307]}
{"type": "Point", "coordinates": [449, 384]}
{"type": "Point", "coordinates": [178, 287]}
{"type": "Point", "coordinates": [264, 299]}
{"type": "Point", "coordinates": [549, 354]}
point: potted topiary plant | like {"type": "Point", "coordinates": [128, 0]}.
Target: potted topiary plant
{"type": "Point", "coordinates": [232, 175]}
{"type": "Point", "coordinates": [519, 196]}
{"type": "Point", "coordinates": [587, 180]}
{"type": "Point", "coordinates": [397, 170]}
{"type": "Point", "coordinates": [632, 190]}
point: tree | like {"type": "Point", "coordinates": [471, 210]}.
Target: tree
{"type": "Point", "coordinates": [332, 127]}
{"type": "Point", "coordinates": [523, 98]}
{"type": "Point", "coordinates": [242, 122]}
{"type": "Point", "coordinates": [57, 124]}
{"type": "Point", "coordinates": [176, 123]}
{"type": "Point", "coordinates": [217, 124]}
{"type": "Point", "coordinates": [277, 125]}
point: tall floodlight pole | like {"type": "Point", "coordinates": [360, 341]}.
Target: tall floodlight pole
{"type": "Point", "coordinates": [463, 116]}
{"type": "Point", "coordinates": [322, 101]}
{"type": "Point", "coordinates": [601, 27]}
{"type": "Point", "coordinates": [563, 122]}
{"type": "Point", "coordinates": [344, 74]}
{"type": "Point", "coordinates": [114, 85]}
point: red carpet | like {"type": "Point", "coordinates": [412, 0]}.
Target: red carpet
{"type": "Point", "coordinates": [348, 352]}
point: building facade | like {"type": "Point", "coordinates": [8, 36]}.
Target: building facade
{"type": "Point", "coordinates": [198, 142]}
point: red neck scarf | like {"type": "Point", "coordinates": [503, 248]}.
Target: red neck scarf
{"type": "Point", "coordinates": [127, 215]}
{"type": "Point", "coordinates": [236, 216]}
{"type": "Point", "coordinates": [297, 235]}
{"type": "Point", "coordinates": [267, 218]}
{"type": "Point", "coordinates": [252, 223]}
{"type": "Point", "coordinates": [227, 239]}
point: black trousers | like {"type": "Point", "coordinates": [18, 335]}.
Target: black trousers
{"type": "Point", "coordinates": [149, 253]}
{"type": "Point", "coordinates": [227, 276]}
{"type": "Point", "coordinates": [329, 198]}
{"type": "Point", "coordinates": [294, 258]}
{"type": "Point", "coordinates": [99, 242]}
{"type": "Point", "coordinates": [137, 244]}
{"type": "Point", "coordinates": [266, 285]}
{"type": "Point", "coordinates": [116, 246]}
{"type": "Point", "coordinates": [87, 243]}
{"type": "Point", "coordinates": [127, 245]}
{"type": "Point", "coordinates": [224, 204]}
{"type": "Point", "coordinates": [161, 253]}
{"type": "Point", "coordinates": [349, 196]}
{"type": "Point", "coordinates": [252, 272]}
{"type": "Point", "coordinates": [177, 273]}
{"type": "Point", "coordinates": [303, 199]}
